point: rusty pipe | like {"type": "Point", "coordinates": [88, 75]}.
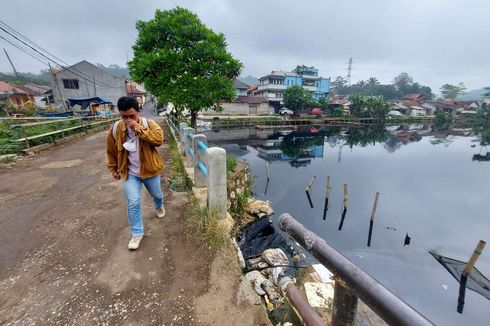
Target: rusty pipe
{"type": "Point", "coordinates": [309, 316]}
{"type": "Point", "coordinates": [385, 303]}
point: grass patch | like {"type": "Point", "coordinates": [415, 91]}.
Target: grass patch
{"type": "Point", "coordinates": [208, 224]}
{"type": "Point", "coordinates": [230, 164]}
{"type": "Point", "coordinates": [238, 205]}
{"type": "Point", "coordinates": [179, 180]}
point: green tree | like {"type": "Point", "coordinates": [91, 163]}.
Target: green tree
{"type": "Point", "coordinates": [442, 121]}
{"type": "Point", "coordinates": [182, 61]}
{"type": "Point", "coordinates": [357, 105]}
{"type": "Point", "coordinates": [368, 106]}
{"type": "Point", "coordinates": [449, 91]}
{"type": "Point", "coordinates": [376, 107]}
{"type": "Point", "coordinates": [323, 103]}
{"type": "Point", "coordinates": [402, 82]}
{"type": "Point", "coordinates": [339, 85]}
{"type": "Point", "coordinates": [296, 98]}
{"type": "Point", "coordinates": [480, 123]}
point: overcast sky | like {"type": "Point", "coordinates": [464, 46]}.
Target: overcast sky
{"type": "Point", "coordinates": [435, 41]}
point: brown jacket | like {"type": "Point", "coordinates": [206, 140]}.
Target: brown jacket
{"type": "Point", "coordinates": [149, 139]}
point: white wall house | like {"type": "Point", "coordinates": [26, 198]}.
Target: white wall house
{"type": "Point", "coordinates": [85, 79]}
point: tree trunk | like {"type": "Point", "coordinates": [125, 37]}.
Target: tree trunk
{"type": "Point", "coordinates": [193, 118]}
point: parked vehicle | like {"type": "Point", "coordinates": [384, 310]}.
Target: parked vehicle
{"type": "Point", "coordinates": [315, 111]}
{"type": "Point", "coordinates": [285, 111]}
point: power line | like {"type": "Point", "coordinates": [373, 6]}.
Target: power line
{"type": "Point", "coordinates": [54, 61]}
{"type": "Point", "coordinates": [23, 50]}
{"type": "Point", "coordinates": [30, 41]}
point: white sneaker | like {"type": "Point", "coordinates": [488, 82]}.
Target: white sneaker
{"type": "Point", "coordinates": [134, 243]}
{"type": "Point", "coordinates": [161, 212]}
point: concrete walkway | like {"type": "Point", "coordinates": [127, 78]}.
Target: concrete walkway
{"type": "Point", "coordinates": [64, 257]}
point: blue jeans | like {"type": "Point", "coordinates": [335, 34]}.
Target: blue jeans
{"type": "Point", "coordinates": [132, 189]}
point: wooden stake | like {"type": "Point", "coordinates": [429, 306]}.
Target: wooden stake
{"type": "Point", "coordinates": [345, 195]}
{"type": "Point", "coordinates": [309, 198]}
{"type": "Point", "coordinates": [327, 192]}
{"type": "Point", "coordinates": [464, 276]}
{"type": "Point", "coordinates": [267, 170]}
{"type": "Point", "coordinates": [327, 195]}
{"type": "Point", "coordinates": [476, 254]}
{"type": "Point", "coordinates": [308, 187]}
{"type": "Point", "coordinates": [375, 205]}
{"type": "Point", "coordinates": [371, 222]}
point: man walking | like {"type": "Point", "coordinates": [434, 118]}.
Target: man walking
{"type": "Point", "coordinates": [132, 156]}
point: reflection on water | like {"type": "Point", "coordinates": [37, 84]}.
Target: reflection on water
{"type": "Point", "coordinates": [434, 196]}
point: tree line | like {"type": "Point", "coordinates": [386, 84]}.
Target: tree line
{"type": "Point", "coordinates": [402, 85]}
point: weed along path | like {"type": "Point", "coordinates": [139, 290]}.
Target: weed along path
{"type": "Point", "coordinates": [64, 257]}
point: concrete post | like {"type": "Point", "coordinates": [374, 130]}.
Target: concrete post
{"type": "Point", "coordinates": [187, 145]}
{"type": "Point", "coordinates": [217, 194]}
{"type": "Point", "coordinates": [182, 125]}
{"type": "Point", "coordinates": [199, 156]}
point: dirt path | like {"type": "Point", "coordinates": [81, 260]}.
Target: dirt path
{"type": "Point", "coordinates": [64, 257]}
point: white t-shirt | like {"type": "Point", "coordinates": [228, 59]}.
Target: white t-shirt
{"type": "Point", "coordinates": [134, 163]}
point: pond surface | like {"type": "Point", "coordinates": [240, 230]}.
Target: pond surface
{"type": "Point", "coordinates": [435, 186]}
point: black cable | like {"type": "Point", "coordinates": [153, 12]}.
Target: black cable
{"type": "Point", "coordinates": [51, 59]}
{"type": "Point", "coordinates": [23, 50]}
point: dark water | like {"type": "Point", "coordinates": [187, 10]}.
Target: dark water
{"type": "Point", "coordinates": [431, 186]}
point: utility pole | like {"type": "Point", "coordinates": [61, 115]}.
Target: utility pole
{"type": "Point", "coordinates": [57, 86]}
{"type": "Point", "coordinates": [349, 71]}
{"type": "Point", "coordinates": [15, 71]}
{"type": "Point", "coordinates": [95, 88]}
{"type": "Point", "coordinates": [86, 86]}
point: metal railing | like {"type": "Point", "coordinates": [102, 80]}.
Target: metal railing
{"type": "Point", "coordinates": [61, 131]}
{"type": "Point", "coordinates": [352, 282]}
{"type": "Point", "coordinates": [174, 123]}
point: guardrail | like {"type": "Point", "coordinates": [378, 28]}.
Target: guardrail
{"type": "Point", "coordinates": [61, 131]}
{"type": "Point", "coordinates": [209, 164]}
{"type": "Point", "coordinates": [352, 283]}
{"type": "Point", "coordinates": [174, 123]}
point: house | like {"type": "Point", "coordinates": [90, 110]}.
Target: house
{"type": "Point", "coordinates": [42, 94]}
{"type": "Point", "coordinates": [273, 85]}
{"type": "Point", "coordinates": [86, 80]}
{"type": "Point", "coordinates": [246, 105]}
{"type": "Point", "coordinates": [240, 88]}
{"type": "Point", "coordinates": [418, 110]}
{"type": "Point", "coordinates": [413, 97]}
{"type": "Point", "coordinates": [16, 96]}
{"type": "Point", "coordinates": [136, 90]}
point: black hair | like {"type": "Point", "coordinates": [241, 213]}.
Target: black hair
{"type": "Point", "coordinates": [127, 103]}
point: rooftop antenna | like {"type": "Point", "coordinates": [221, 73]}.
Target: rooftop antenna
{"type": "Point", "coordinates": [349, 70]}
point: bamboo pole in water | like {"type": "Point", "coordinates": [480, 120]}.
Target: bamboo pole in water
{"type": "Point", "coordinates": [327, 196]}
{"type": "Point", "coordinates": [312, 181]}
{"type": "Point", "coordinates": [371, 222]}
{"type": "Point", "coordinates": [344, 204]}
{"type": "Point", "coordinates": [345, 196]}
{"type": "Point", "coordinates": [464, 276]}
{"type": "Point", "coordinates": [474, 257]}
{"type": "Point", "coordinates": [267, 170]}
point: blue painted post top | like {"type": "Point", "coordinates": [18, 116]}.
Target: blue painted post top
{"type": "Point", "coordinates": [202, 168]}
{"type": "Point", "coordinates": [202, 145]}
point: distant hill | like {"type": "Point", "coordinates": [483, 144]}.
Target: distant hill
{"type": "Point", "coordinates": [474, 95]}
{"type": "Point", "coordinates": [43, 78]}
{"type": "Point", "coordinates": [116, 70]}
{"type": "Point", "coordinates": [249, 80]}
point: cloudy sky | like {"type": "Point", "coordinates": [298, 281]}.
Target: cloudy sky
{"type": "Point", "coordinates": [435, 41]}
